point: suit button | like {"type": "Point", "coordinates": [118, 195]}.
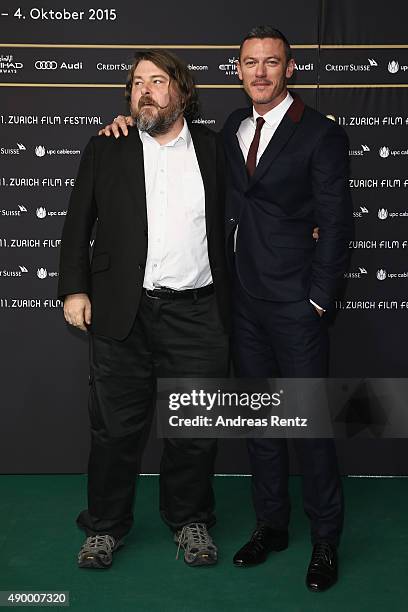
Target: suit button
{"type": "Point", "coordinates": [231, 220]}
{"type": "Point", "coordinates": [141, 266]}
{"type": "Point", "coordinates": [145, 232]}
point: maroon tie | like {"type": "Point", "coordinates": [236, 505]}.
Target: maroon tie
{"type": "Point", "coordinates": [253, 149]}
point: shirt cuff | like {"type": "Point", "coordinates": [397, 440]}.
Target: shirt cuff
{"type": "Point", "coordinates": [316, 305]}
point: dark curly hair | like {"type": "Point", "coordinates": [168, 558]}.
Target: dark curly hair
{"type": "Point", "coordinates": [178, 73]}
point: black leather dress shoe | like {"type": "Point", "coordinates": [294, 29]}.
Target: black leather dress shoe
{"type": "Point", "coordinates": [263, 540]}
{"type": "Point", "coordinates": [322, 570]}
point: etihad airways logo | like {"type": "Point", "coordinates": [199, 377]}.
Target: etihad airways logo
{"type": "Point", "coordinates": [8, 64]}
{"type": "Point", "coordinates": [230, 67]}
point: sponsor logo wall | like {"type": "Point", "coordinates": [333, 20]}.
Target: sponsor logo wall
{"type": "Point", "coordinates": [62, 72]}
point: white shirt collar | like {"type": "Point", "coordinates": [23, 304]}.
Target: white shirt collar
{"type": "Point", "coordinates": [184, 137]}
{"type": "Point", "coordinates": [276, 113]}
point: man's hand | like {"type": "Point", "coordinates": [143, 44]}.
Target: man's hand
{"type": "Point", "coordinates": [315, 233]}
{"type": "Point", "coordinates": [120, 124]}
{"type": "Point", "coordinates": [77, 310]}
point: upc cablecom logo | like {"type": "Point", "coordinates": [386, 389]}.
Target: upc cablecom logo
{"type": "Point", "coordinates": [393, 66]}
{"type": "Point", "coordinates": [384, 152]}
{"type": "Point", "coordinates": [42, 273]}
{"type": "Point", "coordinates": [40, 151]}
{"type": "Point", "coordinates": [41, 212]}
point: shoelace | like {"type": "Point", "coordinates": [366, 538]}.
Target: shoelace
{"type": "Point", "coordinates": [257, 537]}
{"type": "Point", "coordinates": [198, 534]}
{"type": "Point", "coordinates": [321, 552]}
{"type": "Point", "coordinates": [100, 541]}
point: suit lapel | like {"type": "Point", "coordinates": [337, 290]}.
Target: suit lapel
{"type": "Point", "coordinates": [282, 135]}
{"type": "Point", "coordinates": [276, 144]}
{"type": "Point", "coordinates": [233, 150]}
{"type": "Point", "coordinates": [205, 150]}
{"type": "Point", "coordinates": [133, 165]}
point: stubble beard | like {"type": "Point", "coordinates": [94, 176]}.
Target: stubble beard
{"type": "Point", "coordinates": [280, 86]}
{"type": "Point", "coordinates": [156, 122]}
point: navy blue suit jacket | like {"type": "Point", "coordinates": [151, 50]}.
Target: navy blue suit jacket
{"type": "Point", "coordinates": [301, 181]}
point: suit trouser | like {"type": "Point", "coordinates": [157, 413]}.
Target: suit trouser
{"type": "Point", "coordinates": [170, 338]}
{"type": "Point", "coordinates": [287, 339]}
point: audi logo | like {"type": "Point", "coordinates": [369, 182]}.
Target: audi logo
{"type": "Point", "coordinates": [45, 65]}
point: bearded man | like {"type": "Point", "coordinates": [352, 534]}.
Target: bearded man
{"type": "Point", "coordinates": [154, 299]}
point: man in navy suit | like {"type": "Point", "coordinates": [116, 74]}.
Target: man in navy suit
{"type": "Point", "coordinates": [287, 172]}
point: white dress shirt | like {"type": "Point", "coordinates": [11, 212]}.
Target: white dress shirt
{"type": "Point", "coordinates": [177, 253]}
{"type": "Point", "coordinates": [246, 133]}
{"type": "Point", "coordinates": [246, 130]}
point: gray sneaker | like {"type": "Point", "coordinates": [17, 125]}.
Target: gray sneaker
{"type": "Point", "coordinates": [199, 549]}
{"type": "Point", "coordinates": [96, 551]}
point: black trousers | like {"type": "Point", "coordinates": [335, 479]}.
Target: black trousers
{"type": "Point", "coordinates": [287, 339]}
{"type": "Point", "coordinates": [170, 338]}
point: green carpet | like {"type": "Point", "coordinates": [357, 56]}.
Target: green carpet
{"type": "Point", "coordinates": [39, 542]}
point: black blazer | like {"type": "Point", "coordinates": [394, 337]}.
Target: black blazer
{"type": "Point", "coordinates": [110, 188]}
{"type": "Point", "coordinates": [300, 181]}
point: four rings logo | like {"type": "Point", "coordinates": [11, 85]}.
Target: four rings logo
{"type": "Point", "coordinates": [46, 65]}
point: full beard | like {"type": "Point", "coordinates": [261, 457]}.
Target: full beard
{"type": "Point", "coordinates": [156, 122]}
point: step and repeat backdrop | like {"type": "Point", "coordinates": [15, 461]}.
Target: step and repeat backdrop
{"type": "Point", "coordinates": [62, 74]}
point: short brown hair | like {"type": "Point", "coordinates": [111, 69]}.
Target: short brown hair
{"type": "Point", "coordinates": [177, 71]}
{"type": "Point", "coordinates": [267, 31]}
